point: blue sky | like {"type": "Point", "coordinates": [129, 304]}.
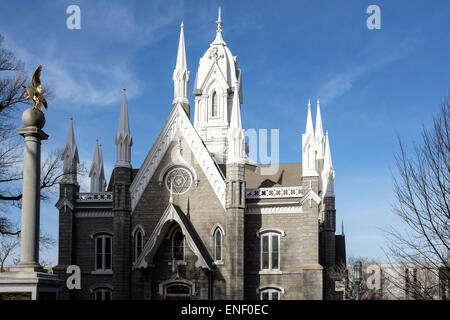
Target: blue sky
{"type": "Point", "coordinates": [373, 84]}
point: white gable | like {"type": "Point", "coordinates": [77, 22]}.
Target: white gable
{"type": "Point", "coordinates": [177, 121]}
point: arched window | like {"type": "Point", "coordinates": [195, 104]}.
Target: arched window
{"type": "Point", "coordinates": [103, 252]}
{"type": "Point", "coordinates": [178, 245]}
{"type": "Point", "coordinates": [138, 239]}
{"type": "Point", "coordinates": [214, 105]}
{"type": "Point", "coordinates": [102, 294]}
{"type": "Point", "coordinates": [270, 293]}
{"type": "Point", "coordinates": [218, 244]}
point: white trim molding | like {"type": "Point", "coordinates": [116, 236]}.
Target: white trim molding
{"type": "Point", "coordinates": [100, 286]}
{"type": "Point", "coordinates": [136, 228]}
{"type": "Point", "coordinates": [217, 225]}
{"type": "Point", "coordinates": [270, 286]}
{"type": "Point", "coordinates": [94, 197]}
{"type": "Point", "coordinates": [162, 285]}
{"type": "Point", "coordinates": [274, 193]}
{"type": "Point", "coordinates": [169, 216]}
{"type": "Point", "coordinates": [177, 121]}
{"type": "Point", "coordinates": [275, 210]}
{"type": "Point", "coordinates": [265, 230]}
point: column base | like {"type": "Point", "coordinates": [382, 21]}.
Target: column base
{"type": "Point", "coordinates": [29, 283]}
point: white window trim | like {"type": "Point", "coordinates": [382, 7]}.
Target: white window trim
{"type": "Point", "coordinates": [163, 285]}
{"type": "Point", "coordinates": [270, 289]}
{"type": "Point", "coordinates": [218, 229]}
{"type": "Point", "coordinates": [138, 231]}
{"type": "Point", "coordinates": [136, 228]}
{"type": "Point", "coordinates": [102, 270]}
{"type": "Point", "coordinates": [270, 269]}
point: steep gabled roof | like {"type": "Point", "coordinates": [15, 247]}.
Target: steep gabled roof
{"type": "Point", "coordinates": [177, 121]}
{"type": "Point", "coordinates": [172, 214]}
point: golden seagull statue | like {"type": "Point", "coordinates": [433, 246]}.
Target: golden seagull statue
{"type": "Point", "coordinates": [35, 91]}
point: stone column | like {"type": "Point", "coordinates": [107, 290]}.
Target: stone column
{"type": "Point", "coordinates": [33, 121]}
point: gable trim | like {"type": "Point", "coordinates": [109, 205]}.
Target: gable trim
{"type": "Point", "coordinates": [177, 120]}
{"type": "Point", "coordinates": [156, 238]}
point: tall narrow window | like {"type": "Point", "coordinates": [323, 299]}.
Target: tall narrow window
{"type": "Point", "coordinates": [178, 245]}
{"type": "Point", "coordinates": [138, 243]}
{"type": "Point", "coordinates": [103, 252]}
{"type": "Point", "coordinates": [270, 251]}
{"type": "Point", "coordinates": [214, 105]}
{"type": "Point", "coordinates": [218, 245]}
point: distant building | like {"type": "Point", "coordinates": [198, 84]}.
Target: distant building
{"type": "Point", "coordinates": [198, 219]}
{"type": "Point", "coordinates": [395, 281]}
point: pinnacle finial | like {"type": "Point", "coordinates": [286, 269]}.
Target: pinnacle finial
{"type": "Point", "coordinates": [182, 24]}
{"type": "Point", "coordinates": [309, 103]}
{"type": "Point", "coordinates": [219, 21]}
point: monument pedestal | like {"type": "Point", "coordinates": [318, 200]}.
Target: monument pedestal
{"type": "Point", "coordinates": [28, 280]}
{"type": "Point", "coordinates": [25, 283]}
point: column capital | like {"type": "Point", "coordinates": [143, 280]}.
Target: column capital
{"type": "Point", "coordinates": [33, 131]}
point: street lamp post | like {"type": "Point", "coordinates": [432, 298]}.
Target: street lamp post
{"type": "Point", "coordinates": [357, 277]}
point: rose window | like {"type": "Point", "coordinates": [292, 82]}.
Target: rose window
{"type": "Point", "coordinates": [179, 179]}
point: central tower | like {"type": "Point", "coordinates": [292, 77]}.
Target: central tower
{"type": "Point", "coordinates": [214, 88]}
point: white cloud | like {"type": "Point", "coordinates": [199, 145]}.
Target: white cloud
{"type": "Point", "coordinates": [340, 82]}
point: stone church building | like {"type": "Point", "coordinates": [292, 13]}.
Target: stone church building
{"type": "Point", "coordinates": [198, 219]}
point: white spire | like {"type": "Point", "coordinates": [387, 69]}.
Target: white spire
{"type": "Point", "coordinates": [123, 141]}
{"type": "Point", "coordinates": [70, 157]}
{"type": "Point", "coordinates": [235, 136]}
{"type": "Point", "coordinates": [181, 57]}
{"type": "Point", "coordinates": [327, 172]}
{"type": "Point", "coordinates": [181, 75]}
{"type": "Point", "coordinates": [309, 147]}
{"type": "Point", "coordinates": [309, 123]}
{"type": "Point", "coordinates": [97, 172]}
{"type": "Point", "coordinates": [219, 39]}
{"type": "Point", "coordinates": [320, 139]}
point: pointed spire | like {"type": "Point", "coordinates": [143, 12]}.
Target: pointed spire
{"type": "Point", "coordinates": [219, 21]}
{"type": "Point", "coordinates": [327, 172]}
{"type": "Point", "coordinates": [102, 182]}
{"type": "Point", "coordinates": [309, 147]}
{"type": "Point", "coordinates": [328, 164]}
{"type": "Point", "coordinates": [97, 172]}
{"type": "Point", "coordinates": [342, 228]}
{"type": "Point", "coordinates": [219, 39]}
{"type": "Point", "coordinates": [181, 76]}
{"type": "Point", "coordinates": [123, 140]}
{"type": "Point", "coordinates": [235, 136]}
{"type": "Point", "coordinates": [181, 57]}
{"type": "Point", "coordinates": [235, 120]}
{"type": "Point", "coordinates": [320, 139]}
{"type": "Point", "coordinates": [309, 123]}
{"type": "Point", "coordinates": [70, 157]}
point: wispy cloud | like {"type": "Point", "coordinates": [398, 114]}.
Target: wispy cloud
{"type": "Point", "coordinates": [81, 84]}
{"type": "Point", "coordinates": [133, 27]}
{"type": "Point", "coordinates": [340, 82]}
